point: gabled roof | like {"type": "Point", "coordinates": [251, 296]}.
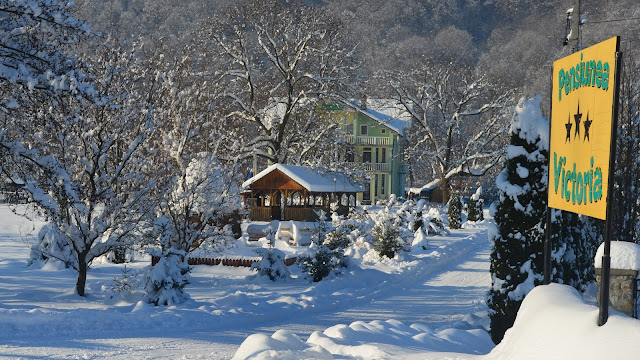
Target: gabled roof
{"type": "Point", "coordinates": [314, 180]}
{"type": "Point", "coordinates": [384, 111]}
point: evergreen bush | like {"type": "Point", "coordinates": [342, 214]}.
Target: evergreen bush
{"type": "Point", "coordinates": [476, 203]}
{"type": "Point", "coordinates": [389, 235]}
{"type": "Point", "coordinates": [516, 257]}
{"type": "Point", "coordinates": [165, 282]}
{"type": "Point", "coordinates": [272, 262]}
{"type": "Point", "coordinates": [455, 211]}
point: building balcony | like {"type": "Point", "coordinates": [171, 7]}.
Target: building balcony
{"type": "Point", "coordinates": [369, 140]}
{"type": "Point", "coordinates": [380, 167]}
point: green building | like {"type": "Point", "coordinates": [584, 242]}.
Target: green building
{"type": "Point", "coordinates": [375, 130]}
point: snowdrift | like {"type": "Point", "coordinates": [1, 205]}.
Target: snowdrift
{"type": "Point", "coordinates": [553, 323]}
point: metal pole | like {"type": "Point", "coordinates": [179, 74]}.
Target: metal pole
{"type": "Point", "coordinates": [606, 257]}
{"type": "Point", "coordinates": [574, 39]}
{"type": "Point", "coordinates": [547, 237]}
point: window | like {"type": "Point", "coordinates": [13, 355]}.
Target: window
{"type": "Point", "coordinates": [366, 155]}
{"type": "Point", "coordinates": [383, 131]}
{"type": "Point", "coordinates": [364, 130]}
{"type": "Point", "coordinates": [377, 153]}
{"type": "Point", "coordinates": [366, 195]}
{"type": "Point", "coordinates": [375, 186]}
{"type": "Point", "coordinates": [384, 155]}
{"type": "Point", "coordinates": [382, 184]}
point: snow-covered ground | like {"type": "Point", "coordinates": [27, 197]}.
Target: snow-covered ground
{"type": "Point", "coordinates": [430, 305]}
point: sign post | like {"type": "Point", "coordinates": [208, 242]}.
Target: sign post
{"type": "Point", "coordinates": [584, 101]}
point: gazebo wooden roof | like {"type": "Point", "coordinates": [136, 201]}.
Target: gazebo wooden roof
{"type": "Point", "coordinates": [290, 192]}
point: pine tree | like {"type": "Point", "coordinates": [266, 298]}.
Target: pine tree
{"type": "Point", "coordinates": [272, 262]}
{"type": "Point", "coordinates": [574, 242]}
{"type": "Point", "coordinates": [165, 281]}
{"type": "Point", "coordinates": [517, 255]}
{"type": "Point", "coordinates": [475, 206]}
{"type": "Point", "coordinates": [455, 211]}
{"type": "Point", "coordinates": [390, 234]}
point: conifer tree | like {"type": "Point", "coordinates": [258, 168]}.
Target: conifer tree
{"type": "Point", "coordinates": [475, 206]}
{"type": "Point", "coordinates": [517, 255]}
{"type": "Point", "coordinates": [455, 211]}
{"type": "Point", "coordinates": [574, 242]}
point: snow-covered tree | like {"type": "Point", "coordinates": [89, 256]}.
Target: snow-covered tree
{"type": "Point", "coordinates": [574, 242]}
{"type": "Point", "coordinates": [198, 198]}
{"type": "Point", "coordinates": [164, 282]}
{"type": "Point", "coordinates": [325, 254]}
{"type": "Point", "coordinates": [455, 211]}
{"type": "Point", "coordinates": [34, 39]}
{"type": "Point", "coordinates": [516, 257]}
{"type": "Point", "coordinates": [476, 204]}
{"type": "Point", "coordinates": [277, 60]}
{"type": "Point", "coordinates": [272, 262]}
{"type": "Point", "coordinates": [83, 159]}
{"type": "Point", "coordinates": [458, 120]}
{"type": "Point", "coordinates": [390, 234]}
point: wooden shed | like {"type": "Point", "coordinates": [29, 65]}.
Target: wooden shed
{"type": "Point", "coordinates": [290, 192]}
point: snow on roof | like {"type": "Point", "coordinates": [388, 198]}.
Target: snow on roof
{"type": "Point", "coordinates": [314, 180]}
{"type": "Point", "coordinates": [624, 255]}
{"type": "Point", "coordinates": [385, 111]}
{"type": "Point", "coordinates": [430, 186]}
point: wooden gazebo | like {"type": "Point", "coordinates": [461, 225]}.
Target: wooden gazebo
{"type": "Point", "coordinates": [290, 192]}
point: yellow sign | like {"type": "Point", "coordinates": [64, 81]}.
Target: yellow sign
{"type": "Point", "coordinates": [581, 116]}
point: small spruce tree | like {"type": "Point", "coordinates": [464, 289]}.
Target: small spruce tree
{"type": "Point", "coordinates": [455, 211]}
{"type": "Point", "coordinates": [389, 234]}
{"type": "Point", "coordinates": [321, 260]}
{"type": "Point", "coordinates": [476, 204]}
{"type": "Point", "coordinates": [272, 262]}
{"type": "Point", "coordinates": [516, 258]}
{"type": "Point", "coordinates": [574, 243]}
{"type": "Point", "coordinates": [166, 281]}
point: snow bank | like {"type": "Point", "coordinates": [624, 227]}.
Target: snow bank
{"type": "Point", "coordinates": [553, 323]}
{"type": "Point", "coordinates": [624, 255]}
{"type": "Point", "coordinates": [362, 340]}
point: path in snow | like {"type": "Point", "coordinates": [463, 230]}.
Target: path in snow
{"type": "Point", "coordinates": [439, 300]}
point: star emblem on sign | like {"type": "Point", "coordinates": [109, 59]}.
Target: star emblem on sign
{"type": "Point", "coordinates": [568, 125]}
{"type": "Point", "coordinates": [587, 126]}
{"type": "Point", "coordinates": [577, 120]}
{"type": "Point", "coordinates": [577, 117]}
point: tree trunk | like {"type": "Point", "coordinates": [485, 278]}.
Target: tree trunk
{"type": "Point", "coordinates": [82, 274]}
{"type": "Point", "coordinates": [444, 188]}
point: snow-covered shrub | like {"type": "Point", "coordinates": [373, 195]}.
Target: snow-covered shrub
{"type": "Point", "coordinates": [455, 211]}
{"type": "Point", "coordinates": [165, 281]}
{"type": "Point", "coordinates": [433, 222]}
{"type": "Point", "coordinates": [476, 204]}
{"type": "Point", "coordinates": [51, 245]}
{"type": "Point", "coordinates": [339, 236]}
{"type": "Point", "coordinates": [420, 239]}
{"type": "Point", "coordinates": [320, 261]}
{"type": "Point", "coordinates": [272, 262]}
{"type": "Point", "coordinates": [574, 242]}
{"type": "Point", "coordinates": [388, 234]}
{"type": "Point", "coordinates": [517, 259]}
{"type": "Point", "coordinates": [360, 223]}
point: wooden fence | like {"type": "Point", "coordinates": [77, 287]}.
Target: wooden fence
{"type": "Point", "coordinates": [225, 262]}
